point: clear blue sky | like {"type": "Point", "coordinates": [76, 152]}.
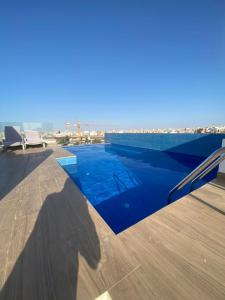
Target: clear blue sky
{"type": "Point", "coordinates": [153, 63]}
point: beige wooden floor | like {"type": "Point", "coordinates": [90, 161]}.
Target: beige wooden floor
{"type": "Point", "coordinates": [54, 245]}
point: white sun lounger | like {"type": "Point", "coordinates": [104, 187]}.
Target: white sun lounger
{"type": "Point", "coordinates": [13, 137]}
{"type": "Point", "coordinates": [33, 138]}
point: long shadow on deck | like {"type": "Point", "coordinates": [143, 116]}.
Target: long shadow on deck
{"type": "Point", "coordinates": [48, 266]}
{"type": "Point", "coordinates": [15, 166]}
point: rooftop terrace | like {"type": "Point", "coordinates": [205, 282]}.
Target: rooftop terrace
{"type": "Point", "coordinates": [54, 245]}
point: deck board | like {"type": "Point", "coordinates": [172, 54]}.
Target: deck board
{"type": "Point", "coordinates": [54, 245]}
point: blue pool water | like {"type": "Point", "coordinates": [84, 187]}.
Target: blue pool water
{"type": "Point", "coordinates": [126, 184]}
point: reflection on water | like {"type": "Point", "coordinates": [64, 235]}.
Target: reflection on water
{"type": "Point", "coordinates": [100, 175]}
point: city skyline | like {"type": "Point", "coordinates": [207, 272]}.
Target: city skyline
{"type": "Point", "coordinates": [88, 128]}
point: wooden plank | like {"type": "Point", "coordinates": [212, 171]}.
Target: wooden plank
{"type": "Point", "coordinates": [54, 245]}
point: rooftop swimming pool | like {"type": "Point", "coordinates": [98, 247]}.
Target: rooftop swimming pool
{"type": "Point", "coordinates": [126, 184]}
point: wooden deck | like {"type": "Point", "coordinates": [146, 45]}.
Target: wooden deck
{"type": "Point", "coordinates": [54, 245]}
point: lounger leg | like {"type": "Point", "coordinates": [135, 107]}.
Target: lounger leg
{"type": "Point", "coordinates": [44, 145]}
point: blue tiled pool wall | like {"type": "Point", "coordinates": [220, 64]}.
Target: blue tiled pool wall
{"type": "Point", "coordinates": [192, 144]}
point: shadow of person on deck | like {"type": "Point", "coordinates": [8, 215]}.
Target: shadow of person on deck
{"type": "Point", "coordinates": [15, 166]}
{"type": "Point", "coordinates": [48, 266]}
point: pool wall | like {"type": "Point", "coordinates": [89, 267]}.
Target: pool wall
{"type": "Point", "coordinates": [192, 144]}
